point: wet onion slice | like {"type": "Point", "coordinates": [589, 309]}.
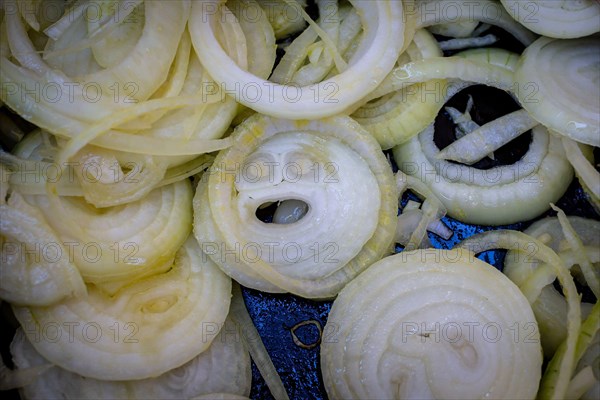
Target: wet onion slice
{"type": "Point", "coordinates": [224, 366]}
{"type": "Point", "coordinates": [431, 324]}
{"type": "Point", "coordinates": [333, 166]}
{"type": "Point", "coordinates": [143, 330]}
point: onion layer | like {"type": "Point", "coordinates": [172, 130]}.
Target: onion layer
{"type": "Point", "coordinates": [123, 242]}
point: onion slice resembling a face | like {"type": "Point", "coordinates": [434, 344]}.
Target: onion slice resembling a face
{"type": "Point", "coordinates": [332, 166]}
{"type": "Point", "coordinates": [431, 324]}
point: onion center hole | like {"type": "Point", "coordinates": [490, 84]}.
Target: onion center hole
{"type": "Point", "coordinates": [282, 211]}
{"type": "Point", "coordinates": [489, 103]}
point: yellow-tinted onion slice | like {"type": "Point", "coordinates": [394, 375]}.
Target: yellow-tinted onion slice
{"type": "Point", "coordinates": [143, 330]}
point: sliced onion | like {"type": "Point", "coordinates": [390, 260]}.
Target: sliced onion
{"type": "Point", "coordinates": [418, 325]}
{"type": "Point", "coordinates": [444, 68]}
{"type": "Point", "coordinates": [432, 209]}
{"type": "Point", "coordinates": [159, 321]}
{"type": "Point", "coordinates": [260, 356]}
{"type": "Point", "coordinates": [488, 138]}
{"type": "Point", "coordinates": [122, 242]}
{"type": "Point", "coordinates": [558, 374]}
{"type": "Point", "coordinates": [562, 19]}
{"type": "Point", "coordinates": [566, 81]}
{"type": "Point", "coordinates": [36, 268]}
{"type": "Point", "coordinates": [551, 308]}
{"type": "Point", "coordinates": [319, 162]}
{"type": "Point", "coordinates": [433, 12]}
{"type": "Point", "coordinates": [378, 52]}
{"type": "Point", "coordinates": [588, 176]}
{"type": "Point", "coordinates": [284, 23]}
{"type": "Point", "coordinates": [259, 36]}
{"type": "Point", "coordinates": [486, 197]}
{"type": "Point", "coordinates": [395, 118]}
{"type": "Point", "coordinates": [223, 367]}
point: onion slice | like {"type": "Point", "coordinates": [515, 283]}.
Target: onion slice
{"type": "Point", "coordinates": [418, 325]}
{"type": "Point", "coordinates": [566, 361]}
{"type": "Point", "coordinates": [565, 76]}
{"type": "Point", "coordinates": [36, 268]}
{"type": "Point", "coordinates": [143, 330]}
{"type": "Point", "coordinates": [550, 307]}
{"type": "Point", "coordinates": [488, 138]}
{"type": "Point", "coordinates": [223, 367]}
{"type": "Point", "coordinates": [540, 177]}
{"type": "Point", "coordinates": [318, 162]}
{"type": "Point", "coordinates": [564, 19]}
{"type": "Point", "coordinates": [383, 39]}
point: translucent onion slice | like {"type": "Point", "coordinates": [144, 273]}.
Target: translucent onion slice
{"type": "Point", "coordinates": [432, 211]}
{"type": "Point", "coordinates": [563, 19]}
{"type": "Point", "coordinates": [121, 40]}
{"type": "Point", "coordinates": [324, 54]}
{"type": "Point", "coordinates": [122, 242]}
{"type": "Point", "coordinates": [378, 51]}
{"type": "Point", "coordinates": [319, 162]}
{"type": "Point", "coordinates": [566, 77]}
{"type": "Point", "coordinates": [395, 118]}
{"type": "Point", "coordinates": [487, 197]}
{"type": "Point", "coordinates": [461, 29]}
{"type": "Point", "coordinates": [163, 27]}
{"type": "Point", "coordinates": [551, 308]}
{"type": "Point", "coordinates": [145, 329]}
{"type": "Point", "coordinates": [431, 324]}
{"type": "Point", "coordinates": [40, 114]}
{"type": "Point", "coordinates": [433, 12]}
{"type": "Point", "coordinates": [259, 36]}
{"type": "Point", "coordinates": [284, 20]}
{"type": "Point", "coordinates": [260, 356]}
{"type": "Point", "coordinates": [584, 379]}
{"type": "Point", "coordinates": [36, 269]}
{"type": "Point", "coordinates": [588, 176]}
{"type": "Point", "coordinates": [488, 138]}
{"type": "Point", "coordinates": [480, 71]}
{"type": "Point", "coordinates": [591, 358]}
{"type": "Point", "coordinates": [35, 165]}
{"type": "Point", "coordinates": [223, 367]}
